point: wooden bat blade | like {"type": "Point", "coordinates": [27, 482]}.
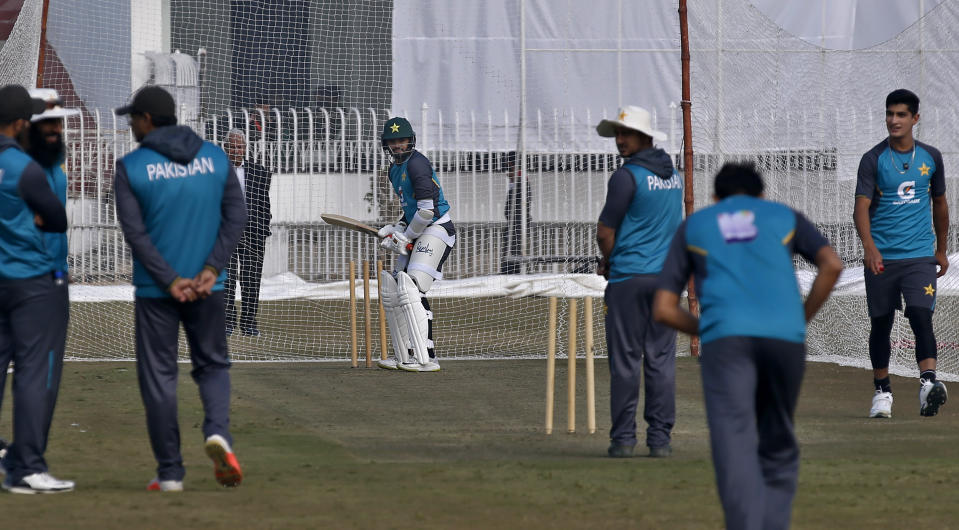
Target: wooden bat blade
{"type": "Point", "coordinates": [348, 222]}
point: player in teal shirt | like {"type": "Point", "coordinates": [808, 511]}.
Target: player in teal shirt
{"type": "Point", "coordinates": [46, 146]}
{"type": "Point", "coordinates": [182, 212]}
{"type": "Point", "coordinates": [902, 218]}
{"type": "Point", "coordinates": [422, 239]}
{"type": "Point", "coordinates": [739, 253]}
{"type": "Point", "coordinates": [644, 205]}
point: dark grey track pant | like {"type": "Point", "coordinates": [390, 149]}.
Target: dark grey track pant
{"type": "Point", "coordinates": [639, 346]}
{"type": "Point", "coordinates": [33, 333]}
{"type": "Point", "coordinates": [751, 387]}
{"type": "Point", "coordinates": [157, 327]}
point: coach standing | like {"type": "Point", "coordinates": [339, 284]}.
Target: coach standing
{"type": "Point", "coordinates": [33, 299]}
{"type": "Point", "coordinates": [643, 208]}
{"type": "Point", "coordinates": [753, 329]}
{"type": "Point", "coordinates": [246, 263]}
{"type": "Point", "coordinates": [181, 210]}
{"type": "Point", "coordinates": [45, 145]}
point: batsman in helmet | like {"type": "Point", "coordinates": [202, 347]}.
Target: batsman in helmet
{"type": "Point", "coordinates": [422, 240]}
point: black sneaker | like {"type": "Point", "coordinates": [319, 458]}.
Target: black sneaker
{"type": "Point", "coordinates": [229, 329]}
{"type": "Point", "coordinates": [931, 397]}
{"type": "Point", "coordinates": [251, 332]}
{"type": "Point", "coordinates": [660, 452]}
{"type": "Point", "coordinates": [620, 451]}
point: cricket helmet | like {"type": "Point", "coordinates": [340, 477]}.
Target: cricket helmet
{"type": "Point", "coordinates": [396, 128]}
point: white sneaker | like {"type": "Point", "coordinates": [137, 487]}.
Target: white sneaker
{"type": "Point", "coordinates": [931, 397]}
{"type": "Point", "coordinates": [413, 366]}
{"type": "Point", "coordinates": [38, 483]}
{"type": "Point", "coordinates": [431, 366]}
{"type": "Point", "coordinates": [388, 364]}
{"type": "Point", "coordinates": [165, 485]}
{"type": "Point", "coordinates": [881, 405]}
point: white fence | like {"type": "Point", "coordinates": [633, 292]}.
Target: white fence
{"type": "Point", "coordinates": [330, 160]}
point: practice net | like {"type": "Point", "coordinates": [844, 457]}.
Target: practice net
{"type": "Point", "coordinates": [806, 115]}
{"type": "Point", "coordinates": [310, 85]}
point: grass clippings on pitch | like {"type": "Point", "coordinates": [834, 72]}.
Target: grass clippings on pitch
{"type": "Point", "coordinates": [326, 446]}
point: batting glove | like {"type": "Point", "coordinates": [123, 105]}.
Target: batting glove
{"type": "Point", "coordinates": [397, 242]}
{"type": "Point", "coordinates": [389, 229]}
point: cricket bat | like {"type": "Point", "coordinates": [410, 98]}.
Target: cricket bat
{"type": "Point", "coordinates": [349, 222]}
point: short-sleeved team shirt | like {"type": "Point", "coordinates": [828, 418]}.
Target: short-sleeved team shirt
{"type": "Point", "coordinates": [901, 187]}
{"type": "Point", "coordinates": [739, 252]}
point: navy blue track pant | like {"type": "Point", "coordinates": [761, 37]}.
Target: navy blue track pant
{"type": "Point", "coordinates": [157, 329]}
{"type": "Point", "coordinates": [33, 333]}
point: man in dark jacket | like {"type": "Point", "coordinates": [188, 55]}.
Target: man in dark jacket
{"type": "Point", "coordinates": [181, 210]}
{"type": "Point", "coordinates": [246, 264]}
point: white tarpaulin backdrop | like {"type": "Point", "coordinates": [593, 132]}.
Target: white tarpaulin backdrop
{"type": "Point", "coordinates": [466, 56]}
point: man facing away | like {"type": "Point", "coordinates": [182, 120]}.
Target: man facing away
{"type": "Point", "coordinates": [643, 207]}
{"type": "Point", "coordinates": [181, 210]}
{"type": "Point", "coordinates": [902, 218]}
{"type": "Point", "coordinates": [753, 327]}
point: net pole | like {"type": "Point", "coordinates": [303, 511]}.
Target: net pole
{"type": "Point", "coordinates": [520, 165]}
{"type": "Point", "coordinates": [41, 57]}
{"type": "Point", "coordinates": [688, 197]}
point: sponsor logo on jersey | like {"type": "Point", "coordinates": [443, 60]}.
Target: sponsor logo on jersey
{"type": "Point", "coordinates": [656, 183]}
{"type": "Point", "coordinates": [907, 192]}
{"type": "Point", "coordinates": [172, 170]}
{"type": "Point", "coordinates": [738, 226]}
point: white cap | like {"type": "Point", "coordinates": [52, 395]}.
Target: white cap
{"type": "Point", "coordinates": [54, 105]}
{"type": "Point", "coordinates": [631, 117]}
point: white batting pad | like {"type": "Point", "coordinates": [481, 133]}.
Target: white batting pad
{"type": "Point", "coordinates": [411, 301]}
{"type": "Point", "coordinates": [428, 250]}
{"type": "Point", "coordinates": [395, 318]}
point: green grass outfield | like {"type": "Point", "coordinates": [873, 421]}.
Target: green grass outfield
{"type": "Point", "coordinates": [327, 446]}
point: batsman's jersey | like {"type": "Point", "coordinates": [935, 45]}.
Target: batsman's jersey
{"type": "Point", "coordinates": [414, 180]}
{"type": "Point", "coordinates": [739, 252]}
{"type": "Point", "coordinates": [643, 236]}
{"type": "Point", "coordinates": [900, 187]}
{"type": "Point", "coordinates": [23, 250]}
{"type": "Point", "coordinates": [57, 243]}
{"type": "Point", "coordinates": [181, 208]}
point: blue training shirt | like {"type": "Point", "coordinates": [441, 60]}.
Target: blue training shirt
{"type": "Point", "coordinates": [739, 252]}
{"type": "Point", "coordinates": [23, 251]}
{"type": "Point", "coordinates": [181, 210]}
{"type": "Point", "coordinates": [644, 205]}
{"type": "Point", "coordinates": [56, 242]}
{"type": "Point", "coordinates": [900, 187]}
{"type": "Point", "coordinates": [414, 180]}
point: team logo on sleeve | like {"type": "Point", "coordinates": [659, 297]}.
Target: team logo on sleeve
{"type": "Point", "coordinates": [738, 226]}
{"type": "Point", "coordinates": [907, 190]}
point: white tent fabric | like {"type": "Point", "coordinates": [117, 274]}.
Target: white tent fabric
{"type": "Point", "coordinates": [595, 55]}
{"type": "Point", "coordinates": [845, 24]}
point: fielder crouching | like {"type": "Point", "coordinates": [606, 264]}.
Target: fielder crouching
{"type": "Point", "coordinates": [422, 239]}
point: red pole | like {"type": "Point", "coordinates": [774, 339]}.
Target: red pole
{"type": "Point", "coordinates": [688, 151]}
{"type": "Point", "coordinates": [43, 43]}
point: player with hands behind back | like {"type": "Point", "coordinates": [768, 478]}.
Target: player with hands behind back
{"type": "Point", "coordinates": [422, 240]}
{"type": "Point", "coordinates": [182, 211]}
